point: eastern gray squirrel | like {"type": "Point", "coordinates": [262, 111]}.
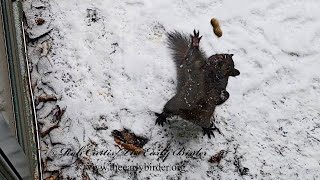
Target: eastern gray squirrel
{"type": "Point", "coordinates": [201, 81]}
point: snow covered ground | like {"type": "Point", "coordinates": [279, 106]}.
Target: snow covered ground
{"type": "Point", "coordinates": [108, 63]}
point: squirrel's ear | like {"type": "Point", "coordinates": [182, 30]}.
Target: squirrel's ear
{"type": "Point", "coordinates": [194, 32]}
{"type": "Point", "coordinates": [198, 33]}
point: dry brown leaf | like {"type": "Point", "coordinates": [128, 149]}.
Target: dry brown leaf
{"type": "Point", "coordinates": [217, 157]}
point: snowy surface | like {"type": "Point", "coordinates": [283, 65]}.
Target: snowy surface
{"type": "Point", "coordinates": [112, 69]}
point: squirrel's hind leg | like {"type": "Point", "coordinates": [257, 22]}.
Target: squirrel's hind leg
{"type": "Point", "coordinates": [162, 118]}
{"type": "Point", "coordinates": [209, 131]}
{"type": "Point", "coordinates": [171, 108]}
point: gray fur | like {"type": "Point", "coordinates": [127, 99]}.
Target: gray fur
{"type": "Point", "coordinates": [201, 84]}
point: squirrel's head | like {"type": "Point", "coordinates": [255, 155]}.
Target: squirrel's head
{"type": "Point", "coordinates": [195, 39]}
{"type": "Point", "coordinates": [224, 63]}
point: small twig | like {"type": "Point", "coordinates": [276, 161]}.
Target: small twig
{"type": "Point", "coordinates": [34, 39]}
{"type": "Point", "coordinates": [34, 85]}
{"type": "Point", "coordinates": [57, 118]}
{"type": "Point", "coordinates": [49, 86]}
{"type": "Point", "coordinates": [59, 113]}
{"type": "Point", "coordinates": [45, 98]}
{"type": "Point", "coordinates": [46, 132]}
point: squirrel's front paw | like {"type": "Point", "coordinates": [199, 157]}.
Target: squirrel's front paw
{"type": "Point", "coordinates": [209, 131]}
{"type": "Point", "coordinates": [161, 119]}
{"type": "Point", "coordinates": [224, 95]}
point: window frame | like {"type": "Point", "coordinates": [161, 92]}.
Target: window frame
{"type": "Point", "coordinates": [24, 124]}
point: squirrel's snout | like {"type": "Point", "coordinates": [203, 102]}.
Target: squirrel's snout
{"type": "Point", "coordinates": [235, 72]}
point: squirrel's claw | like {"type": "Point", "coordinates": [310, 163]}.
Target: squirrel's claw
{"type": "Point", "coordinates": [209, 131]}
{"type": "Point", "coordinates": [195, 33]}
{"type": "Point", "coordinates": [161, 119]}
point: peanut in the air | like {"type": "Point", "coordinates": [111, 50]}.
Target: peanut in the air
{"type": "Point", "coordinates": [216, 27]}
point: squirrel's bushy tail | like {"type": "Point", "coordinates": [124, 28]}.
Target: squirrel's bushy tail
{"type": "Point", "coordinates": [178, 43]}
